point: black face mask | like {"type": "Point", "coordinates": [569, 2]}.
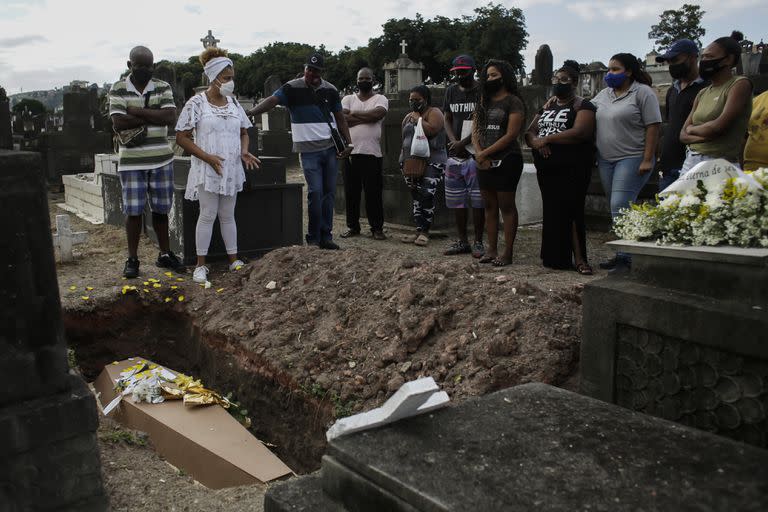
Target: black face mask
{"type": "Point", "coordinates": [562, 90]}
{"type": "Point", "coordinates": [466, 80]}
{"type": "Point", "coordinates": [679, 70]}
{"type": "Point", "coordinates": [365, 86]}
{"type": "Point", "coordinates": [709, 67]}
{"type": "Point", "coordinates": [141, 76]}
{"type": "Point", "coordinates": [416, 106]}
{"type": "Point", "coordinates": [493, 86]}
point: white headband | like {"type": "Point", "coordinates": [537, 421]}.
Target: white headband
{"type": "Point", "coordinates": [215, 66]}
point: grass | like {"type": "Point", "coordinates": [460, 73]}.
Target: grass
{"type": "Point", "coordinates": [118, 436]}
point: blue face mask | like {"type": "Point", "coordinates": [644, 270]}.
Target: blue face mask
{"type": "Point", "coordinates": [614, 80]}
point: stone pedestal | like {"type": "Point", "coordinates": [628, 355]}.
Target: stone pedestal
{"type": "Point", "coordinates": [402, 75]}
{"type": "Point", "coordinates": [531, 447]}
{"type": "Point", "coordinates": [683, 336]}
{"type": "Point", "coordinates": [49, 457]}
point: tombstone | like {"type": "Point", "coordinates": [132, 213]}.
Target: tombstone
{"type": "Point", "coordinates": [530, 447]}
{"type": "Point", "coordinates": [683, 336]}
{"type": "Point", "coordinates": [49, 458]}
{"type": "Point", "coordinates": [6, 133]}
{"type": "Point", "coordinates": [64, 239]}
{"type": "Point", "coordinates": [271, 84]}
{"type": "Point", "coordinates": [542, 74]}
{"type": "Point", "coordinates": [402, 74]}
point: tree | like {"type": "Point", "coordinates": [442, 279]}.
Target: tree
{"type": "Point", "coordinates": [683, 23]}
{"type": "Point", "coordinates": [33, 106]}
{"type": "Point", "coordinates": [496, 32]}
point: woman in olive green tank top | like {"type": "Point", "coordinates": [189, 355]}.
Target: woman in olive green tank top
{"type": "Point", "coordinates": [717, 124]}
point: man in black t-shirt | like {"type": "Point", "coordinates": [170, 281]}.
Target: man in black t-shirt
{"type": "Point", "coordinates": [462, 190]}
{"type": "Point", "coordinates": [682, 57]}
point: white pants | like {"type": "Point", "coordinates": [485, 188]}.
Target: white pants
{"type": "Point", "coordinates": [211, 205]}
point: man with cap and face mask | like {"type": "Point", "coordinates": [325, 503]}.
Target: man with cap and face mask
{"type": "Point", "coordinates": [682, 58]}
{"type": "Point", "coordinates": [145, 167]}
{"type": "Point", "coordinates": [462, 190]}
{"type": "Point", "coordinates": [315, 108]}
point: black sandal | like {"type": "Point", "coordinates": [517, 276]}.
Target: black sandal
{"type": "Point", "coordinates": [501, 262]}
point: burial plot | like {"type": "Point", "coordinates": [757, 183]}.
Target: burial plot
{"type": "Point", "coordinates": [683, 336]}
{"type": "Point", "coordinates": [49, 458]}
{"type": "Point", "coordinates": [531, 447]}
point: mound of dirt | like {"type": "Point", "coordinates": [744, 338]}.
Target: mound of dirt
{"type": "Point", "coordinates": [355, 325]}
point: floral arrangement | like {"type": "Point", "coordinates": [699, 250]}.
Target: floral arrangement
{"type": "Point", "coordinates": [731, 209]}
{"type": "Point", "coordinates": [151, 383]}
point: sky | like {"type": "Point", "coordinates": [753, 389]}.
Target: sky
{"type": "Point", "coordinates": [48, 43]}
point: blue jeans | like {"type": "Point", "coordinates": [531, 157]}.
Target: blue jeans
{"type": "Point", "coordinates": [621, 182]}
{"type": "Point", "coordinates": [320, 168]}
{"type": "Point", "coordinates": [668, 178]}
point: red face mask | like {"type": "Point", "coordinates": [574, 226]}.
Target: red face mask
{"type": "Point", "coordinates": [312, 77]}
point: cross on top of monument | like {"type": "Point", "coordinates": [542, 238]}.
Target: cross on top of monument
{"type": "Point", "coordinates": [403, 44]}
{"type": "Point", "coordinates": [209, 40]}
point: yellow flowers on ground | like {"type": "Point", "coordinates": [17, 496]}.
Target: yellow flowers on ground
{"type": "Point", "coordinates": [167, 299]}
{"type": "Point", "coordinates": [157, 285]}
{"type": "Point", "coordinates": [85, 297]}
{"type": "Point", "coordinates": [220, 290]}
{"type": "Point", "coordinates": [89, 288]}
{"type": "Point", "coordinates": [180, 279]}
{"type": "Point", "coordinates": [169, 274]}
{"type": "Point", "coordinates": [181, 298]}
{"type": "Point", "coordinates": [73, 287]}
{"type": "Point", "coordinates": [174, 287]}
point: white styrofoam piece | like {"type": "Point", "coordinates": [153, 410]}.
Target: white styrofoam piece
{"type": "Point", "coordinates": [413, 398]}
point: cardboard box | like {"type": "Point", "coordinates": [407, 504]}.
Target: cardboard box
{"type": "Point", "coordinates": [204, 441]}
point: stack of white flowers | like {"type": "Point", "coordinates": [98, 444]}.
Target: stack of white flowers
{"type": "Point", "coordinates": [723, 208]}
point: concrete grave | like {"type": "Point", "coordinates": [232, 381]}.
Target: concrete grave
{"type": "Point", "coordinates": [83, 196]}
{"type": "Point", "coordinates": [683, 336]}
{"type": "Point", "coordinates": [416, 397]}
{"type": "Point", "coordinates": [531, 447]}
{"type": "Point", "coordinates": [49, 458]}
{"type": "Point", "coordinates": [65, 238]}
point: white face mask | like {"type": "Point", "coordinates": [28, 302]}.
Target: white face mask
{"type": "Point", "coordinates": [228, 89]}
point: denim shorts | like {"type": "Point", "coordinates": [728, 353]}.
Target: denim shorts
{"type": "Point", "coordinates": [156, 183]}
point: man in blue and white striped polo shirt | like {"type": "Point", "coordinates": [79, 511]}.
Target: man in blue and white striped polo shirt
{"type": "Point", "coordinates": [145, 169]}
{"type": "Point", "coordinates": [315, 106]}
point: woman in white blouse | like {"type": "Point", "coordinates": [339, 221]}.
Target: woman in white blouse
{"type": "Point", "coordinates": [212, 128]}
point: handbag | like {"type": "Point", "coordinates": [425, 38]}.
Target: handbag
{"type": "Point", "coordinates": [132, 137]}
{"type": "Point", "coordinates": [339, 142]}
{"type": "Point", "coordinates": [414, 167]}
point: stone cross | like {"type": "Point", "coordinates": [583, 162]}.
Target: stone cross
{"type": "Point", "coordinates": [403, 44]}
{"type": "Point", "coordinates": [415, 397]}
{"type": "Point", "coordinates": [64, 238]}
{"type": "Point", "coordinates": [209, 40]}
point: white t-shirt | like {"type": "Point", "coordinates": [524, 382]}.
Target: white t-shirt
{"type": "Point", "coordinates": [366, 137]}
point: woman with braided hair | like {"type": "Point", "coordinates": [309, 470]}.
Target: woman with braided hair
{"type": "Point", "coordinates": [496, 126]}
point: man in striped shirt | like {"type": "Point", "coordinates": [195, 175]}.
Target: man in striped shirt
{"type": "Point", "coordinates": [145, 168]}
{"type": "Point", "coordinates": [315, 107]}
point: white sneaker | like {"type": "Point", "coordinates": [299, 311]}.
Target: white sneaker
{"type": "Point", "coordinates": [236, 265]}
{"type": "Point", "coordinates": [200, 274]}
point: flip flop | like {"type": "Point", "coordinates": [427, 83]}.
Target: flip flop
{"type": "Point", "coordinates": [408, 239]}
{"type": "Point", "coordinates": [421, 240]}
{"type": "Point", "coordinates": [487, 259]}
{"type": "Point", "coordinates": [501, 262]}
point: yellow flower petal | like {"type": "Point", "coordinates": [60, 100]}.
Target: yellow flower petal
{"type": "Point", "coordinates": [169, 274]}
{"type": "Point", "coordinates": [167, 299]}
{"type": "Point", "coordinates": [238, 267]}
{"type": "Point", "coordinates": [146, 283]}
{"type": "Point", "coordinates": [73, 287]}
{"type": "Point", "coordinates": [220, 290]}
{"type": "Point", "coordinates": [89, 288]}
{"type": "Point", "coordinates": [179, 279]}
{"type": "Point", "coordinates": [146, 290]}
{"type": "Point", "coordinates": [181, 298]}
{"type": "Point", "coordinates": [85, 297]}
{"type": "Point", "coordinates": [157, 285]}
{"type": "Point", "coordinates": [174, 287]}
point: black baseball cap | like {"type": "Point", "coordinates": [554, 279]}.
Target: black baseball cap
{"type": "Point", "coordinates": [316, 60]}
{"type": "Point", "coordinates": [678, 47]}
{"type": "Point", "coordinates": [465, 62]}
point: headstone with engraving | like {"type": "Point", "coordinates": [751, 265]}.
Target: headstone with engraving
{"type": "Point", "coordinates": [683, 336]}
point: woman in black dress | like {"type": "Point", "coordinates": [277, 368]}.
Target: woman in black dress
{"type": "Point", "coordinates": [562, 138]}
{"type": "Point", "coordinates": [496, 125]}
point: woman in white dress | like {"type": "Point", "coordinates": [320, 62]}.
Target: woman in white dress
{"type": "Point", "coordinates": [212, 128]}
